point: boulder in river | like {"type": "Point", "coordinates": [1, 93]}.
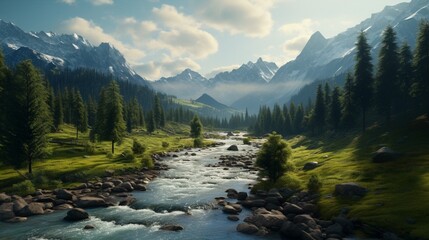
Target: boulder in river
{"type": "Point", "coordinates": [171, 227]}
{"type": "Point", "coordinates": [91, 202]}
{"type": "Point", "coordinates": [271, 220]}
{"type": "Point", "coordinates": [232, 148]}
{"type": "Point", "coordinates": [247, 228]}
{"type": "Point", "coordinates": [4, 198]}
{"type": "Point", "coordinates": [31, 209]}
{"type": "Point", "coordinates": [64, 194]}
{"type": "Point", "coordinates": [17, 219]}
{"type": "Point", "coordinates": [6, 211]}
{"type": "Point", "coordinates": [76, 214]}
{"type": "Point", "coordinates": [350, 190]}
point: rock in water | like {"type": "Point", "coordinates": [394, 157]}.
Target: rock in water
{"type": "Point", "coordinates": [350, 190]}
{"type": "Point", "coordinates": [232, 148]}
{"type": "Point", "coordinates": [171, 228]}
{"type": "Point", "coordinates": [76, 214]}
{"type": "Point", "coordinates": [64, 194]}
{"type": "Point", "coordinates": [32, 209]}
{"type": "Point", "coordinates": [90, 202]}
{"type": "Point", "coordinates": [88, 227]}
{"type": "Point", "coordinates": [247, 228]}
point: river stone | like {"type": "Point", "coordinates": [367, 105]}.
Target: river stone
{"type": "Point", "coordinates": [290, 230]}
{"type": "Point", "coordinates": [4, 198]}
{"type": "Point", "coordinates": [76, 214]}
{"type": "Point", "coordinates": [91, 202]}
{"type": "Point", "coordinates": [253, 203]}
{"type": "Point", "coordinates": [230, 134]}
{"type": "Point", "coordinates": [350, 190]}
{"type": "Point", "coordinates": [19, 204]}
{"type": "Point", "coordinates": [271, 220]}
{"type": "Point", "coordinates": [116, 181]}
{"type": "Point", "coordinates": [64, 194]}
{"type": "Point", "coordinates": [233, 218]}
{"type": "Point", "coordinates": [310, 166]}
{"type": "Point", "coordinates": [127, 186]}
{"type": "Point", "coordinates": [17, 219]}
{"type": "Point", "coordinates": [306, 219]}
{"type": "Point", "coordinates": [89, 227]}
{"type": "Point", "coordinates": [228, 209]}
{"type": "Point", "coordinates": [241, 196]}
{"type": "Point", "coordinates": [335, 229]}
{"type": "Point", "coordinates": [171, 227]}
{"type": "Point", "coordinates": [384, 154]}
{"type": "Point", "coordinates": [63, 207]}
{"type": "Point", "coordinates": [107, 185]}
{"type": "Point", "coordinates": [140, 187]}
{"type": "Point", "coordinates": [31, 209]}
{"type": "Point", "coordinates": [292, 208]}
{"type": "Point", "coordinates": [232, 148]}
{"type": "Point", "coordinates": [247, 228]}
{"type": "Point", "coordinates": [6, 211]}
{"type": "Point", "coordinates": [127, 201]}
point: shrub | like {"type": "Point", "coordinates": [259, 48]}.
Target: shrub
{"type": "Point", "coordinates": [138, 147]}
{"type": "Point", "coordinates": [89, 148]}
{"type": "Point", "coordinates": [23, 188]}
{"type": "Point", "coordinates": [246, 141]}
{"type": "Point", "coordinates": [165, 144]}
{"type": "Point", "coordinates": [128, 156]}
{"type": "Point", "coordinates": [314, 184]}
{"type": "Point", "coordinates": [147, 162]}
{"type": "Point", "coordinates": [109, 155]}
{"type": "Point", "coordinates": [198, 142]}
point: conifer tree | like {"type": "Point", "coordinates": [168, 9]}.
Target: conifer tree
{"type": "Point", "coordinates": [387, 74]}
{"type": "Point", "coordinates": [79, 115]}
{"type": "Point", "coordinates": [157, 109]}
{"type": "Point", "coordinates": [335, 109]}
{"type": "Point", "coordinates": [28, 117]}
{"type": "Point", "coordinates": [421, 67]}
{"type": "Point", "coordinates": [348, 106]}
{"type": "Point", "coordinates": [278, 119]}
{"type": "Point", "coordinates": [299, 119]}
{"type": "Point", "coordinates": [363, 80]}
{"type": "Point", "coordinates": [92, 112]}
{"type": "Point", "coordinates": [405, 77]}
{"type": "Point", "coordinates": [58, 114]}
{"type": "Point", "coordinates": [150, 126]}
{"type": "Point", "coordinates": [320, 110]}
{"type": "Point", "coordinates": [4, 75]}
{"type": "Point", "coordinates": [327, 95]}
{"type": "Point", "coordinates": [196, 127]}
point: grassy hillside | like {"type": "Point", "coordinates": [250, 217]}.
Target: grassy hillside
{"type": "Point", "coordinates": [206, 110]}
{"type": "Point", "coordinates": [398, 191]}
{"type": "Point", "coordinates": [73, 162]}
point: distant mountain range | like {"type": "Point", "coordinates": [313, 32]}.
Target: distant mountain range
{"type": "Point", "coordinates": [210, 101]}
{"type": "Point", "coordinates": [49, 50]}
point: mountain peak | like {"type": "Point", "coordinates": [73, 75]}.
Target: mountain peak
{"type": "Point", "coordinates": [209, 100]}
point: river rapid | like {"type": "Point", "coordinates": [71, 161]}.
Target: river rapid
{"type": "Point", "coordinates": [183, 195]}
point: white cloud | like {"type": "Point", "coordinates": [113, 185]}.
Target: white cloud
{"type": "Point", "coordinates": [138, 31]}
{"type": "Point", "coordinates": [154, 70]}
{"type": "Point", "coordinates": [221, 69]}
{"type": "Point", "coordinates": [69, 2]}
{"type": "Point", "coordinates": [96, 35]}
{"type": "Point", "coordinates": [305, 27]}
{"type": "Point", "coordinates": [249, 17]}
{"type": "Point", "coordinates": [183, 36]}
{"type": "Point", "coordinates": [101, 2]}
{"type": "Point", "coordinates": [297, 43]}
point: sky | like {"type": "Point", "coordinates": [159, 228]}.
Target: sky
{"type": "Point", "coordinates": [161, 38]}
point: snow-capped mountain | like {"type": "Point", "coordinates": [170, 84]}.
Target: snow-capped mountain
{"type": "Point", "coordinates": [50, 50]}
{"type": "Point", "coordinates": [323, 58]}
{"type": "Point", "coordinates": [259, 72]}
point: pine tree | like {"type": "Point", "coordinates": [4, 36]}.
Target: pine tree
{"type": "Point", "coordinates": [363, 89]}
{"type": "Point", "coordinates": [421, 67]}
{"type": "Point", "coordinates": [196, 127]}
{"type": "Point", "coordinates": [150, 126]}
{"type": "Point", "coordinates": [4, 76]}
{"type": "Point", "coordinates": [278, 119]}
{"type": "Point", "coordinates": [157, 109]}
{"type": "Point", "coordinates": [335, 109]}
{"type": "Point", "coordinates": [28, 116]}
{"type": "Point", "coordinates": [79, 115]}
{"type": "Point", "coordinates": [405, 77]}
{"type": "Point", "coordinates": [92, 112]}
{"type": "Point", "coordinates": [327, 95]}
{"type": "Point", "coordinates": [320, 110]}
{"type": "Point", "coordinates": [348, 106]}
{"type": "Point", "coordinates": [387, 74]}
{"type": "Point", "coordinates": [100, 120]}
{"type": "Point", "coordinates": [299, 119]}
{"type": "Point", "coordinates": [58, 114]}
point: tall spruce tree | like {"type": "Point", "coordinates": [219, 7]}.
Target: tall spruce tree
{"type": "Point", "coordinates": [320, 110]}
{"type": "Point", "coordinates": [327, 95]}
{"type": "Point", "coordinates": [348, 106]}
{"type": "Point", "coordinates": [196, 127]}
{"type": "Point", "coordinates": [28, 117]}
{"type": "Point", "coordinates": [363, 81]}
{"type": "Point", "coordinates": [335, 109]}
{"type": "Point", "coordinates": [387, 74]}
{"type": "Point", "coordinates": [421, 67]}
{"type": "Point", "coordinates": [58, 114]}
{"type": "Point", "coordinates": [79, 115]}
{"type": "Point", "coordinates": [150, 126]}
{"type": "Point", "coordinates": [299, 119]}
{"type": "Point", "coordinates": [157, 111]}
{"type": "Point", "coordinates": [405, 77]}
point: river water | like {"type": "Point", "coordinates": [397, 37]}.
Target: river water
{"type": "Point", "coordinates": [188, 186]}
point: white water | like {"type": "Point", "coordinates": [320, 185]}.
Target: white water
{"type": "Point", "coordinates": [187, 186]}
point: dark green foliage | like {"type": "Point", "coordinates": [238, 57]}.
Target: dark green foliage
{"type": "Point", "coordinates": [387, 74]}
{"type": "Point", "coordinates": [363, 82]}
{"type": "Point", "coordinates": [246, 141]}
{"type": "Point", "coordinates": [150, 126]}
{"type": "Point", "coordinates": [157, 112]}
{"type": "Point", "coordinates": [320, 110]}
{"type": "Point", "coordinates": [278, 119]}
{"type": "Point", "coordinates": [198, 142]}
{"type": "Point", "coordinates": [28, 118]}
{"type": "Point", "coordinates": [92, 112]}
{"type": "Point", "coordinates": [58, 113]}
{"type": "Point", "coordinates": [79, 115]}
{"type": "Point", "coordinates": [327, 93]}
{"type": "Point", "coordinates": [335, 109]}
{"type": "Point", "coordinates": [405, 77]}
{"type": "Point", "coordinates": [196, 127]}
{"type": "Point", "coordinates": [128, 156]}
{"type": "Point", "coordinates": [23, 188]}
{"type": "Point", "coordinates": [299, 119]}
{"type": "Point", "coordinates": [138, 147]}
{"type": "Point", "coordinates": [348, 106]}
{"type": "Point", "coordinates": [314, 184]}
{"type": "Point", "coordinates": [165, 144]}
{"type": "Point", "coordinates": [89, 148]}
{"type": "Point", "coordinates": [273, 157]}
{"type": "Point", "coordinates": [133, 114]}
{"type": "Point", "coordinates": [420, 88]}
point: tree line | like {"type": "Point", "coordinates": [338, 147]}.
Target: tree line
{"type": "Point", "coordinates": [398, 88]}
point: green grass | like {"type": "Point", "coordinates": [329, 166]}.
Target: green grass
{"type": "Point", "coordinates": [398, 191]}
{"type": "Point", "coordinates": [72, 164]}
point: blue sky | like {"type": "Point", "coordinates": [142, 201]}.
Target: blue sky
{"type": "Point", "coordinates": [162, 38]}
